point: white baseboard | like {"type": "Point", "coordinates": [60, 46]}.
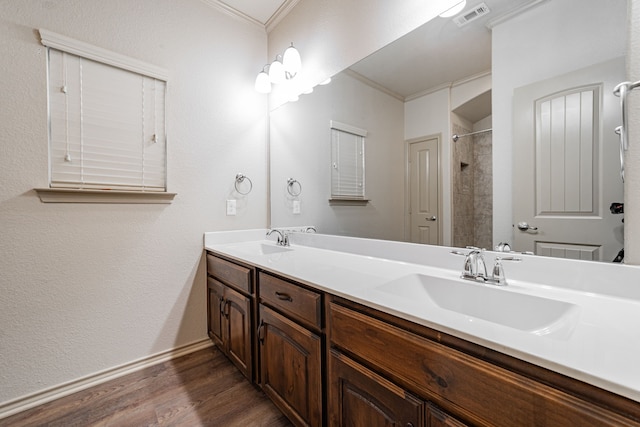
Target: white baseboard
{"type": "Point", "coordinates": [47, 395]}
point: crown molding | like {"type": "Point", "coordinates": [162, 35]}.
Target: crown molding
{"type": "Point", "coordinates": [513, 13]}
{"type": "Point", "coordinates": [373, 84]}
{"type": "Point", "coordinates": [228, 10]}
{"type": "Point", "coordinates": [271, 23]}
{"type": "Point", "coordinates": [279, 14]}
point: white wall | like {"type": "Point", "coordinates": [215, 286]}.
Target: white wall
{"type": "Point", "coordinates": [431, 115]}
{"type": "Point", "coordinates": [301, 148]}
{"type": "Point", "coordinates": [569, 35]}
{"type": "Point", "coordinates": [465, 91]}
{"type": "Point", "coordinates": [84, 288]}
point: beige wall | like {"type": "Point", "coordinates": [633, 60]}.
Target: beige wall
{"type": "Point", "coordinates": [85, 288]}
{"type": "Point", "coordinates": [333, 34]}
{"type": "Point", "coordinates": [300, 148]}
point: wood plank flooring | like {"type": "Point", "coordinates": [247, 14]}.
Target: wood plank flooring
{"type": "Point", "coordinates": [199, 389]}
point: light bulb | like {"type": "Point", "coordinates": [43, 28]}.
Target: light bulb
{"type": "Point", "coordinates": [454, 10]}
{"type": "Point", "coordinates": [276, 72]}
{"type": "Point", "coordinates": [263, 84]}
{"type": "Point", "coordinates": [291, 61]}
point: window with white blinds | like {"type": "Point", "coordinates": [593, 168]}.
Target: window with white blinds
{"type": "Point", "coordinates": [107, 120]}
{"type": "Point", "coordinates": [347, 162]}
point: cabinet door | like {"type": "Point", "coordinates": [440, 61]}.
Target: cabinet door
{"type": "Point", "coordinates": [290, 367]}
{"type": "Point", "coordinates": [237, 330]}
{"type": "Point", "coordinates": [359, 397]}
{"type": "Point", "coordinates": [214, 310]}
{"type": "Point", "coordinates": [436, 417]}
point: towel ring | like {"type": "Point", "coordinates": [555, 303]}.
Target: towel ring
{"type": "Point", "coordinates": [239, 180]}
{"type": "Point", "coordinates": [290, 187]}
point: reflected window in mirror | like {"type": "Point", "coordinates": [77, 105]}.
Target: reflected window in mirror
{"type": "Point", "coordinates": [347, 162]}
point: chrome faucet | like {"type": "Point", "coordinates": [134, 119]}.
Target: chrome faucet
{"type": "Point", "coordinates": [283, 237]}
{"type": "Point", "coordinates": [474, 267]}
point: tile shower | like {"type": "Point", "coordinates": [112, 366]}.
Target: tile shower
{"type": "Point", "coordinates": [472, 184]}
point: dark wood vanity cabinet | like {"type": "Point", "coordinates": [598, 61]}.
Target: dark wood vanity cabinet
{"type": "Point", "coordinates": [436, 417]}
{"type": "Point", "coordinates": [229, 311]}
{"type": "Point", "coordinates": [329, 361]}
{"type": "Point", "coordinates": [358, 397]}
{"type": "Point", "coordinates": [460, 385]}
{"type": "Point", "coordinates": [291, 348]}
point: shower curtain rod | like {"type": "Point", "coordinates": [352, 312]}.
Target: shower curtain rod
{"type": "Point", "coordinates": [456, 137]}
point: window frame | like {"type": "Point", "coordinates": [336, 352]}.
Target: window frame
{"type": "Point", "coordinates": [360, 136]}
{"type": "Point", "coordinates": [55, 194]}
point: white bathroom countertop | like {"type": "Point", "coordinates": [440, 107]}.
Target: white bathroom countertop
{"type": "Point", "coordinates": [601, 346]}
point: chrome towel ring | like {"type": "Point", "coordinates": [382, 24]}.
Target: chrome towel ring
{"type": "Point", "coordinates": [294, 187]}
{"type": "Point", "coordinates": [240, 178]}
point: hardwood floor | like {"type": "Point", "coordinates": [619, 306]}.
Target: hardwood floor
{"type": "Point", "coordinates": [199, 389]}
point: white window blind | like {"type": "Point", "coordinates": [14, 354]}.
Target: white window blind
{"type": "Point", "coordinates": [107, 124]}
{"type": "Point", "coordinates": [347, 162]}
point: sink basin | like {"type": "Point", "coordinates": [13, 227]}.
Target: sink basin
{"type": "Point", "coordinates": [533, 314]}
{"type": "Point", "coordinates": [260, 248]}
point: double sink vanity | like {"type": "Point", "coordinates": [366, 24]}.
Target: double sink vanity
{"type": "Point", "coordinates": [345, 331]}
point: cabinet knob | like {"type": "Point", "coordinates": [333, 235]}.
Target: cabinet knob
{"type": "Point", "coordinates": [409, 424]}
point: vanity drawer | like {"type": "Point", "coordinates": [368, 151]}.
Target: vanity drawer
{"type": "Point", "coordinates": [230, 273]}
{"type": "Point", "coordinates": [297, 302]}
{"type": "Point", "coordinates": [482, 393]}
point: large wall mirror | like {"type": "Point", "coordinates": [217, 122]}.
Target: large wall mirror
{"type": "Point", "coordinates": [472, 128]}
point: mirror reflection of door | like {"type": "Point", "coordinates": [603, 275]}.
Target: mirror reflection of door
{"type": "Point", "coordinates": [567, 156]}
{"type": "Point", "coordinates": [424, 191]}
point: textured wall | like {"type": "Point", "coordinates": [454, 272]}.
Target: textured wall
{"type": "Point", "coordinates": [84, 288]}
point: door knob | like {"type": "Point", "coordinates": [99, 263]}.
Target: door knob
{"type": "Point", "coordinates": [433, 218]}
{"type": "Point", "coordinates": [526, 227]}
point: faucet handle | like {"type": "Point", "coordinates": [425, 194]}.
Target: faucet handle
{"type": "Point", "coordinates": [497, 273]}
{"type": "Point", "coordinates": [474, 266]}
{"type": "Point", "coordinates": [503, 247]}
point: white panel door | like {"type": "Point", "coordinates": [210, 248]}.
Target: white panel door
{"type": "Point", "coordinates": [423, 191]}
{"type": "Point", "coordinates": [566, 164]}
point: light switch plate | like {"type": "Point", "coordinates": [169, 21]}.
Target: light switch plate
{"type": "Point", "coordinates": [296, 206]}
{"type": "Point", "coordinates": [231, 207]}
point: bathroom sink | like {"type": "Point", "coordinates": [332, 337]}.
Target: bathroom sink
{"type": "Point", "coordinates": [533, 314]}
{"type": "Point", "coordinates": [260, 248]}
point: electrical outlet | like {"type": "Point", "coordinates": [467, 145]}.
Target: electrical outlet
{"type": "Point", "coordinates": [296, 207]}
{"type": "Point", "coordinates": [231, 207]}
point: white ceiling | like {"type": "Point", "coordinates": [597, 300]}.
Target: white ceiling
{"type": "Point", "coordinates": [437, 53]}
{"type": "Point", "coordinates": [433, 55]}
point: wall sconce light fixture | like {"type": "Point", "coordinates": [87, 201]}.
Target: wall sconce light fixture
{"type": "Point", "coordinates": [285, 67]}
